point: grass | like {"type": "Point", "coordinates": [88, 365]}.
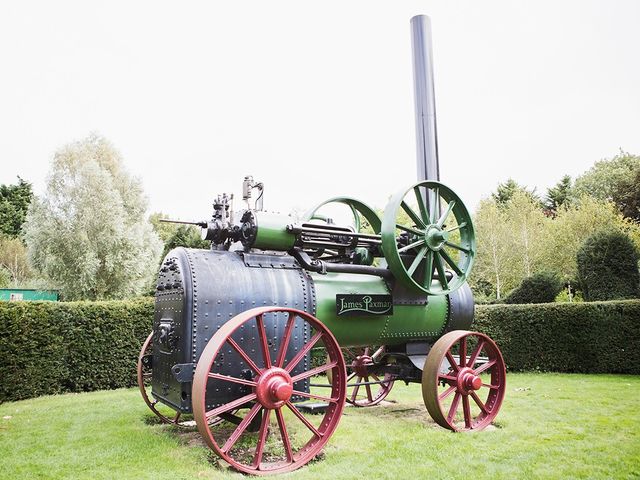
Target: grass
{"type": "Point", "coordinates": [551, 426]}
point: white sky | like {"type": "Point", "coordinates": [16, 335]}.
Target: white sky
{"type": "Point", "coordinates": [315, 98]}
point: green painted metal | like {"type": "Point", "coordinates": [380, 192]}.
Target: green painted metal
{"type": "Point", "coordinates": [13, 294]}
{"type": "Point", "coordinates": [356, 207]}
{"type": "Point", "coordinates": [272, 232]}
{"type": "Point", "coordinates": [408, 322]}
{"type": "Point", "coordinates": [435, 237]}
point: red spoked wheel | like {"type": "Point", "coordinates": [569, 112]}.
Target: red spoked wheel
{"type": "Point", "coordinates": [270, 434]}
{"type": "Point", "coordinates": [145, 373]}
{"type": "Point", "coordinates": [464, 381]}
{"type": "Point", "coordinates": [364, 388]}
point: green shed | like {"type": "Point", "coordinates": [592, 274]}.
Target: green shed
{"type": "Point", "coordinates": [13, 294]}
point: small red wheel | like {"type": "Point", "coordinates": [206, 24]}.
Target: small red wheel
{"type": "Point", "coordinates": [257, 444]}
{"type": "Point", "coordinates": [364, 388]}
{"type": "Point", "coordinates": [464, 392]}
{"type": "Point", "coordinates": [145, 373]}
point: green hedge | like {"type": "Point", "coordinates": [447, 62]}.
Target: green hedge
{"type": "Point", "coordinates": [50, 347]}
{"type": "Point", "coordinates": [594, 337]}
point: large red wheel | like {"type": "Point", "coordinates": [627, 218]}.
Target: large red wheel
{"type": "Point", "coordinates": [270, 434]}
{"type": "Point", "coordinates": [364, 388]}
{"type": "Point", "coordinates": [145, 373]}
{"type": "Point", "coordinates": [464, 381]}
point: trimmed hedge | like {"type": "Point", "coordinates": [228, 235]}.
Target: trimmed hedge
{"type": "Point", "coordinates": [51, 347]}
{"type": "Point", "coordinates": [594, 337]}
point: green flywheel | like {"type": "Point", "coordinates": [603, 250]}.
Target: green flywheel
{"type": "Point", "coordinates": [428, 239]}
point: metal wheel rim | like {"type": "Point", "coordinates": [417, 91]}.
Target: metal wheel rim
{"type": "Point", "coordinates": [356, 207]}
{"type": "Point", "coordinates": [458, 379]}
{"type": "Point", "coordinates": [430, 245]}
{"type": "Point", "coordinates": [294, 459]}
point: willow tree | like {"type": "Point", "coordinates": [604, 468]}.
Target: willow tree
{"type": "Point", "coordinates": [88, 234]}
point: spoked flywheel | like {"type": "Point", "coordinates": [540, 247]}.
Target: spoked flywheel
{"type": "Point", "coordinates": [428, 239]}
{"type": "Point", "coordinates": [464, 381]}
{"type": "Point", "coordinates": [270, 433]}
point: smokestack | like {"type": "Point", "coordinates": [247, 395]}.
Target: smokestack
{"type": "Point", "coordinates": [426, 131]}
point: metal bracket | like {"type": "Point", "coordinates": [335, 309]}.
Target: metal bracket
{"type": "Point", "coordinates": [183, 372]}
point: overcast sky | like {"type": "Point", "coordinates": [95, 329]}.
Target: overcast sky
{"type": "Point", "coordinates": [315, 98]}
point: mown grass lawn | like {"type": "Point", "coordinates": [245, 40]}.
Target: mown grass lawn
{"type": "Point", "coordinates": [550, 426]}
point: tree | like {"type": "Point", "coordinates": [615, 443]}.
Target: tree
{"type": "Point", "coordinates": [573, 223]}
{"type": "Point", "coordinates": [614, 180]}
{"type": "Point", "coordinates": [14, 203]}
{"type": "Point", "coordinates": [493, 256]}
{"type": "Point", "coordinates": [185, 236]}
{"type": "Point", "coordinates": [558, 196]}
{"type": "Point", "coordinates": [608, 266]}
{"type": "Point", "coordinates": [13, 259]}
{"type": "Point", "coordinates": [88, 234]}
{"type": "Point", "coordinates": [505, 192]}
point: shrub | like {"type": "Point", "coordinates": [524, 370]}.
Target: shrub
{"type": "Point", "coordinates": [538, 288]}
{"type": "Point", "coordinates": [595, 337]}
{"type": "Point", "coordinates": [608, 266]}
{"type": "Point", "coordinates": [50, 347]}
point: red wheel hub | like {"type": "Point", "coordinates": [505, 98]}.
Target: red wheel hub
{"type": "Point", "coordinates": [467, 381]}
{"type": "Point", "coordinates": [360, 363]}
{"type": "Point", "coordinates": [274, 387]}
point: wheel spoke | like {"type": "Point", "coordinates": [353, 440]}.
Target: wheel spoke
{"type": "Point", "coordinates": [285, 341]}
{"type": "Point", "coordinates": [476, 352]}
{"type": "Point", "coordinates": [456, 227]}
{"type": "Point", "coordinates": [444, 216]}
{"type": "Point", "coordinates": [234, 405]}
{"type": "Point", "coordinates": [428, 271]}
{"type": "Point", "coordinates": [284, 435]}
{"type": "Point", "coordinates": [231, 441]}
{"type": "Point", "coordinates": [452, 361]}
{"type": "Point", "coordinates": [422, 206]}
{"type": "Point", "coordinates": [300, 355]}
{"type": "Point", "coordinates": [354, 394]}
{"type": "Point", "coordinates": [492, 387]}
{"type": "Point", "coordinates": [416, 262]}
{"type": "Point", "coordinates": [416, 219]}
{"type": "Point", "coordinates": [409, 229]}
{"type": "Point", "coordinates": [368, 388]}
{"type": "Point", "coordinates": [314, 371]}
{"type": "Point", "coordinates": [297, 413]}
{"type": "Point", "coordinates": [351, 376]}
{"type": "Point", "coordinates": [435, 203]}
{"type": "Point", "coordinates": [466, 408]}
{"type": "Point", "coordinates": [313, 395]}
{"type": "Point", "coordinates": [263, 341]}
{"type": "Point", "coordinates": [450, 261]}
{"type": "Point", "coordinates": [476, 399]}
{"type": "Point", "coordinates": [244, 355]}
{"type": "Point", "coordinates": [454, 407]}
{"type": "Point", "coordinates": [227, 378]}
{"type": "Point", "coordinates": [463, 352]}
{"type": "Point", "coordinates": [177, 417]}
{"type": "Point", "coordinates": [484, 367]}
{"type": "Point", "coordinates": [447, 392]}
{"type": "Point", "coordinates": [411, 246]}
{"type": "Point", "coordinates": [456, 246]}
{"type": "Point", "coordinates": [448, 378]}
{"type": "Point", "coordinates": [262, 439]}
{"type": "Point", "coordinates": [442, 278]}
